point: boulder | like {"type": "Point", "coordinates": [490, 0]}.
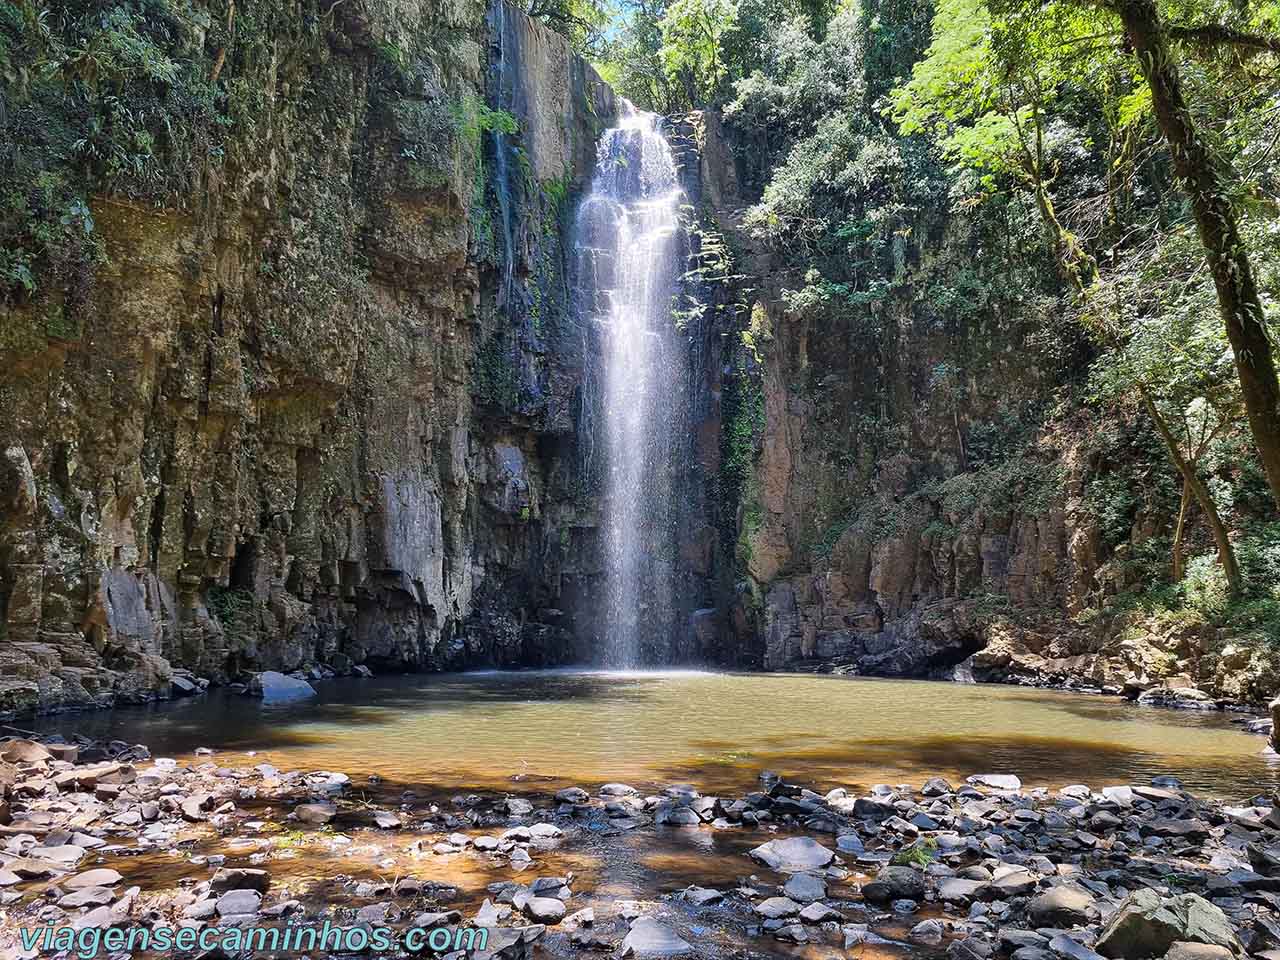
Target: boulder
{"type": "Point", "coordinates": [1062, 906]}
{"type": "Point", "coordinates": [926, 932]}
{"type": "Point", "coordinates": [23, 751]}
{"type": "Point", "coordinates": [1013, 883]}
{"type": "Point", "coordinates": [193, 808]}
{"type": "Point", "coordinates": [818, 912]}
{"type": "Point", "coordinates": [1197, 951]}
{"type": "Point", "coordinates": [701, 896]}
{"type": "Point", "coordinates": [676, 816]}
{"type": "Point", "coordinates": [278, 687]}
{"type": "Point", "coordinates": [238, 903]}
{"type": "Point", "coordinates": [1071, 949]}
{"type": "Point", "coordinates": [1179, 698]}
{"type": "Point", "coordinates": [1147, 925]}
{"type": "Point", "coordinates": [960, 890]}
{"type": "Point", "coordinates": [1177, 828]}
{"type": "Point", "coordinates": [805, 888]}
{"type": "Point", "coordinates": [793, 855]}
{"type": "Point", "coordinates": [88, 897]}
{"type": "Point", "coordinates": [937, 787]}
{"type": "Point", "coordinates": [895, 883]}
{"type": "Point", "coordinates": [240, 878]}
{"type": "Point", "coordinates": [775, 908]}
{"type": "Point", "coordinates": [544, 909]}
{"type": "Point", "coordinates": [100, 877]}
{"type": "Point", "coordinates": [652, 938]}
{"type": "Point", "coordinates": [315, 813]}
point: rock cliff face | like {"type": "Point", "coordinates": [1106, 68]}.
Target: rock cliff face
{"type": "Point", "coordinates": [320, 407]}
{"type": "Point", "coordinates": [916, 500]}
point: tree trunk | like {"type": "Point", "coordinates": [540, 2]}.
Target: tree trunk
{"type": "Point", "coordinates": [1226, 552]}
{"type": "Point", "coordinates": [1205, 181]}
{"type": "Point", "coordinates": [1180, 528]}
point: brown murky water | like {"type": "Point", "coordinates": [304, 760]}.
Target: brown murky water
{"type": "Point", "coordinates": [532, 732]}
{"type": "Point", "coordinates": [717, 730]}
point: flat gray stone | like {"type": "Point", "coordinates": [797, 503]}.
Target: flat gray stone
{"type": "Point", "coordinates": [701, 896]}
{"type": "Point", "coordinates": [793, 855]}
{"type": "Point", "coordinates": [315, 813]}
{"type": "Point", "coordinates": [996, 781]}
{"type": "Point", "coordinates": [100, 877]}
{"type": "Point", "coordinates": [652, 938]}
{"type": "Point", "coordinates": [235, 902]}
{"type": "Point", "coordinates": [805, 888]}
{"type": "Point", "coordinates": [775, 908]}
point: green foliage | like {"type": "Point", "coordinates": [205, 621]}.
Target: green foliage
{"type": "Point", "coordinates": [474, 118]}
{"type": "Point", "coordinates": [584, 23]}
{"type": "Point", "coordinates": [495, 380]}
{"type": "Point", "coordinates": [99, 97]}
{"type": "Point", "coordinates": [49, 235]}
{"type": "Point", "coordinates": [676, 56]}
{"type": "Point", "coordinates": [235, 609]}
{"type": "Point", "coordinates": [1112, 501]}
{"type": "Point", "coordinates": [919, 854]}
{"type": "Point", "coordinates": [1203, 598]}
{"type": "Point", "coordinates": [742, 410]}
{"type": "Point", "coordinates": [693, 33]}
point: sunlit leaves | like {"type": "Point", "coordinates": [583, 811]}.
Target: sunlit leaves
{"type": "Point", "coordinates": [693, 33]}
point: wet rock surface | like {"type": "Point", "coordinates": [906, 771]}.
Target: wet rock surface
{"type": "Point", "coordinates": [994, 868]}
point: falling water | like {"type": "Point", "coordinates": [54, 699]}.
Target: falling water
{"type": "Point", "coordinates": [502, 148]}
{"type": "Point", "coordinates": [628, 230]}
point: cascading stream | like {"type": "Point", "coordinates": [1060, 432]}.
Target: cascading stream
{"type": "Point", "coordinates": [628, 229]}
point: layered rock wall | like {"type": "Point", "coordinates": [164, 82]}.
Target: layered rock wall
{"type": "Point", "coordinates": [321, 407]}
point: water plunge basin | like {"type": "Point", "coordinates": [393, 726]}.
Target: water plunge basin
{"type": "Point", "coordinates": [491, 730]}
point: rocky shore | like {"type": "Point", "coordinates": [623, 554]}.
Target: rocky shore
{"type": "Point", "coordinates": [103, 835]}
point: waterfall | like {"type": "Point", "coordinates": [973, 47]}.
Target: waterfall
{"type": "Point", "coordinates": [629, 261]}
{"type": "Point", "coordinates": [502, 97]}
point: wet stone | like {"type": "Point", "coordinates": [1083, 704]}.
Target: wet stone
{"type": "Point", "coordinates": [818, 913]}
{"type": "Point", "coordinates": [237, 902]}
{"type": "Point", "coordinates": [805, 888]}
{"type": "Point", "coordinates": [775, 908]}
{"type": "Point", "coordinates": [543, 909]}
{"type": "Point", "coordinates": [792, 855]}
{"type": "Point", "coordinates": [701, 896]}
{"type": "Point", "coordinates": [1061, 906]}
{"type": "Point", "coordinates": [315, 813]}
{"type": "Point", "coordinates": [100, 877]}
{"type": "Point", "coordinates": [895, 883]}
{"type": "Point", "coordinates": [649, 937]}
{"type": "Point", "coordinates": [926, 932]}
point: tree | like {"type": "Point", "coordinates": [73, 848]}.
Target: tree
{"type": "Point", "coordinates": [632, 60]}
{"type": "Point", "coordinates": [1207, 177]}
{"type": "Point", "coordinates": [988, 85]}
{"type": "Point", "coordinates": [1167, 352]}
{"type": "Point", "coordinates": [583, 22]}
{"type": "Point", "coordinates": [693, 33]}
{"type": "Point", "coordinates": [997, 86]}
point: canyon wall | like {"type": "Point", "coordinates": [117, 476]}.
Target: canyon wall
{"type": "Point", "coordinates": [315, 400]}
{"type": "Point", "coordinates": [919, 481]}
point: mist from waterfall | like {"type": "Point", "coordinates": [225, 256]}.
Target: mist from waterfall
{"type": "Point", "coordinates": [630, 259]}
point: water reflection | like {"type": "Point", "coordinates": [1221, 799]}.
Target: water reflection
{"type": "Point", "coordinates": [543, 728]}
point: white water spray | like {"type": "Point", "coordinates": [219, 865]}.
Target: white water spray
{"type": "Point", "coordinates": [628, 228]}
